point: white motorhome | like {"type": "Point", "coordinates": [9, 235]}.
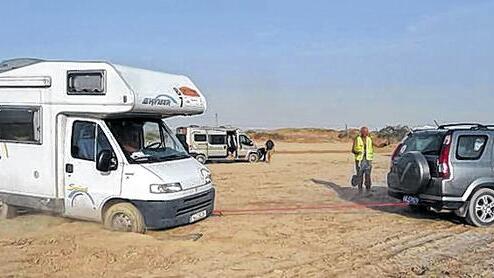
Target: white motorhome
{"type": "Point", "coordinates": [87, 140]}
{"type": "Point", "coordinates": [218, 144]}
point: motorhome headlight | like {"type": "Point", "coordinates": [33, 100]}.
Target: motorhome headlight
{"type": "Point", "coordinates": [165, 188]}
{"type": "Point", "coordinates": [206, 174]}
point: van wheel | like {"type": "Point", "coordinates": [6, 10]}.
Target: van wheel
{"type": "Point", "coordinates": [124, 217]}
{"type": "Point", "coordinates": [7, 211]}
{"type": "Point", "coordinates": [253, 157]}
{"type": "Point", "coordinates": [481, 208]}
{"type": "Point", "coordinates": [201, 158]}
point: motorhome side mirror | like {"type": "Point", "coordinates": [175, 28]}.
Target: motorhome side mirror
{"type": "Point", "coordinates": [105, 161]}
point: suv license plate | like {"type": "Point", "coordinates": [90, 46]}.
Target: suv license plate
{"type": "Point", "coordinates": [198, 216]}
{"type": "Point", "coordinates": [410, 200]}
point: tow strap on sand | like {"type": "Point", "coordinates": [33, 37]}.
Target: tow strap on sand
{"type": "Point", "coordinates": [273, 210]}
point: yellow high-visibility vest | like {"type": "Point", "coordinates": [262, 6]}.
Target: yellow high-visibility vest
{"type": "Point", "coordinates": [360, 148]}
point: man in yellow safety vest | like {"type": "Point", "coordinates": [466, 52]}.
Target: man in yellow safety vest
{"type": "Point", "coordinates": [363, 151]}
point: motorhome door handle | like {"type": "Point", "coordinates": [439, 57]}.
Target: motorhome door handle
{"type": "Point", "coordinates": [69, 168]}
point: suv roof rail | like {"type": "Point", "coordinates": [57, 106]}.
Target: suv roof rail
{"type": "Point", "coordinates": [471, 125]}
{"type": "Point", "coordinates": [421, 128]}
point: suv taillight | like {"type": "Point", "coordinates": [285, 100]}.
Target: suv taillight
{"type": "Point", "coordinates": [444, 167]}
{"type": "Point", "coordinates": [396, 152]}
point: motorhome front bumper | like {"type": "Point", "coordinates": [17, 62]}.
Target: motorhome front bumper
{"type": "Point", "coordinates": [167, 214]}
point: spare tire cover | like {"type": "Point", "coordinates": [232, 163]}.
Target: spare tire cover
{"type": "Point", "coordinates": [413, 172]}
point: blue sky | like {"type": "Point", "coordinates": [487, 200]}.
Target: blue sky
{"type": "Point", "coordinates": [284, 63]}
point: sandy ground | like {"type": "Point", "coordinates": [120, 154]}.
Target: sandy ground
{"type": "Point", "coordinates": [329, 235]}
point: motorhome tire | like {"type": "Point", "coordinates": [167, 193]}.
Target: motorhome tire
{"type": "Point", "coordinates": [7, 211]}
{"type": "Point", "coordinates": [201, 158]}
{"type": "Point", "coordinates": [481, 208]}
{"type": "Point", "coordinates": [124, 217]}
{"type": "Point", "coordinates": [253, 157]}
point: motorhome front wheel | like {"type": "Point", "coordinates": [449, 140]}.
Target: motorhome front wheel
{"type": "Point", "coordinates": [124, 217]}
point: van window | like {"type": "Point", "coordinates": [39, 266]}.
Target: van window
{"type": "Point", "coordinates": [20, 124]}
{"type": "Point", "coordinates": [200, 138]}
{"type": "Point", "coordinates": [217, 139]}
{"type": "Point", "coordinates": [87, 82]}
{"type": "Point", "coordinates": [86, 138]}
{"type": "Point", "coordinates": [470, 147]}
{"type": "Point", "coordinates": [244, 140]}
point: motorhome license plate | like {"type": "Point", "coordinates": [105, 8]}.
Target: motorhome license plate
{"type": "Point", "coordinates": [410, 200]}
{"type": "Point", "coordinates": [198, 216]}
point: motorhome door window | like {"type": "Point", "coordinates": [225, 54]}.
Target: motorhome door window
{"type": "Point", "coordinates": [83, 140]}
{"type": "Point", "coordinates": [217, 139]}
{"type": "Point", "coordinates": [86, 138]}
{"type": "Point", "coordinates": [86, 82]}
{"type": "Point", "coordinates": [20, 124]}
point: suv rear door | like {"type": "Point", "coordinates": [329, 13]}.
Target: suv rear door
{"type": "Point", "coordinates": [425, 142]}
{"type": "Point", "coordinates": [471, 160]}
{"type": "Point", "coordinates": [428, 143]}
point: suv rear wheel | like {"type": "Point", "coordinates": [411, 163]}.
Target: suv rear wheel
{"type": "Point", "coordinates": [481, 208]}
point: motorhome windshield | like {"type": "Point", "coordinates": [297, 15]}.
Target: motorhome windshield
{"type": "Point", "coordinates": [146, 140]}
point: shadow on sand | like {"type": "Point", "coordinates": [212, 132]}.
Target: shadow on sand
{"type": "Point", "coordinates": [379, 195]}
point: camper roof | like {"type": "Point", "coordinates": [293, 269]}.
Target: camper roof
{"type": "Point", "coordinates": [121, 89]}
{"type": "Point", "coordinates": [17, 63]}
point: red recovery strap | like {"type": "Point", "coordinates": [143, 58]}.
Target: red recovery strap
{"type": "Point", "coordinates": [226, 212]}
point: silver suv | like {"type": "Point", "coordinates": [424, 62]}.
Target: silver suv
{"type": "Point", "coordinates": [448, 168]}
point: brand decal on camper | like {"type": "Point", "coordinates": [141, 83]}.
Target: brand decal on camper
{"type": "Point", "coordinates": [78, 192]}
{"type": "Point", "coordinates": [73, 187]}
{"type": "Point", "coordinates": [160, 100]}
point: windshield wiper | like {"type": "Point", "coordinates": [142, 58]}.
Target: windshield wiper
{"type": "Point", "coordinates": [146, 159]}
{"type": "Point", "coordinates": [174, 157]}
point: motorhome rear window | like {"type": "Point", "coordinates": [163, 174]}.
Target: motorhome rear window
{"type": "Point", "coordinates": [87, 82]}
{"type": "Point", "coordinates": [20, 124]}
{"type": "Point", "coordinates": [217, 139]}
{"type": "Point", "coordinates": [200, 137]}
